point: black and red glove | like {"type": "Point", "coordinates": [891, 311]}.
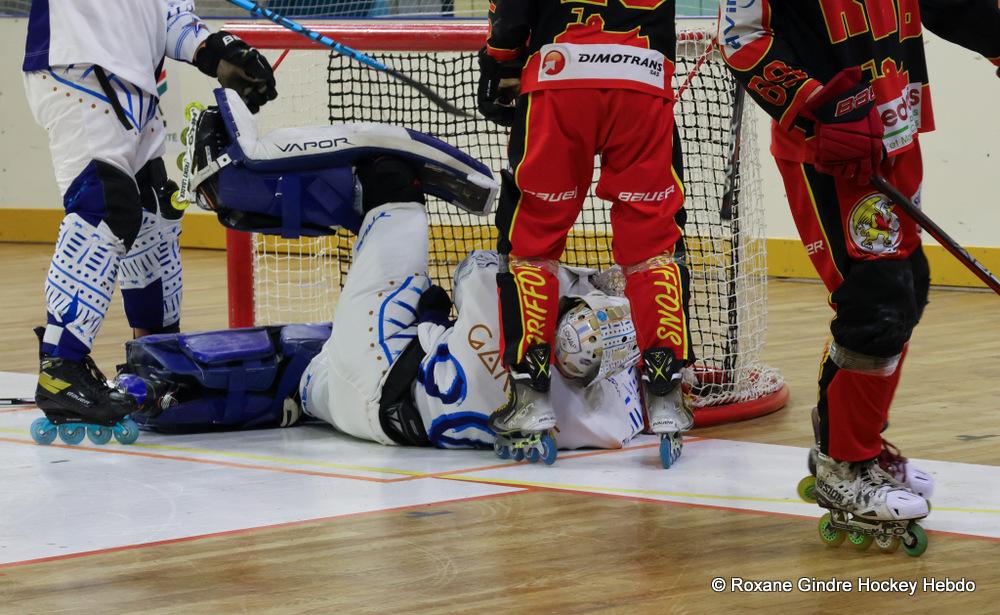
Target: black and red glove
{"type": "Point", "coordinates": [239, 67]}
{"type": "Point", "coordinates": [847, 129]}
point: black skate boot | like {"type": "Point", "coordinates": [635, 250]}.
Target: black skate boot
{"type": "Point", "coordinates": [523, 426]}
{"type": "Point", "coordinates": [77, 401]}
{"type": "Point", "coordinates": [669, 415]}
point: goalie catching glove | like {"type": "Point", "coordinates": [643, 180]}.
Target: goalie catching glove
{"type": "Point", "coordinates": [238, 67]}
{"type": "Point", "coordinates": [499, 86]}
{"type": "Point", "coordinates": [848, 131]}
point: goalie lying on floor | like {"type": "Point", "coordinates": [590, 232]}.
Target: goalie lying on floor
{"type": "Point", "coordinates": [395, 368]}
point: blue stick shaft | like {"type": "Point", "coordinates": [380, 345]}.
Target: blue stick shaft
{"type": "Point", "coordinates": [294, 26]}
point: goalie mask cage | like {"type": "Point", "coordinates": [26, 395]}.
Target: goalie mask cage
{"type": "Point", "coordinates": [276, 280]}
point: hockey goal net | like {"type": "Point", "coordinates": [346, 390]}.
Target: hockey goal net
{"type": "Point", "coordinates": [276, 280]}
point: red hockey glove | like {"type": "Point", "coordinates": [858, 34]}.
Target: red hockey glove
{"type": "Point", "coordinates": [847, 140]}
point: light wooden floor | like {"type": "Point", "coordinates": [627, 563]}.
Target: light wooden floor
{"type": "Point", "coordinates": [547, 550]}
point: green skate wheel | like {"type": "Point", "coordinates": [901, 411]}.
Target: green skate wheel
{"type": "Point", "coordinates": [184, 134]}
{"type": "Point", "coordinates": [126, 432]}
{"type": "Point", "coordinates": [190, 107]}
{"type": "Point", "coordinates": [99, 434]}
{"type": "Point", "coordinates": [832, 536]}
{"type": "Point", "coordinates": [72, 433]}
{"type": "Point", "coordinates": [42, 431]}
{"type": "Point", "coordinates": [180, 161]}
{"type": "Point", "coordinates": [915, 541]}
{"type": "Point", "coordinates": [807, 489]}
{"type": "Point", "coordinates": [860, 541]}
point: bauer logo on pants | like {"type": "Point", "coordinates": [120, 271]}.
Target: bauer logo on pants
{"type": "Point", "coordinates": [874, 226]}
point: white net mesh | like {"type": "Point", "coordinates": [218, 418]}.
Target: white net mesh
{"type": "Point", "coordinates": [299, 280]}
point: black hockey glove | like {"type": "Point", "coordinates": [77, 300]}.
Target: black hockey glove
{"type": "Point", "coordinates": [239, 67]}
{"type": "Point", "coordinates": [499, 86]}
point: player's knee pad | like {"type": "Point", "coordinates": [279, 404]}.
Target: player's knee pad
{"type": "Point", "coordinates": [388, 179]}
{"type": "Point", "coordinates": [156, 188]}
{"type": "Point", "coordinates": [230, 379]}
{"type": "Point", "coordinates": [921, 279]}
{"type": "Point", "coordinates": [103, 192]}
{"type": "Point", "coordinates": [876, 313]}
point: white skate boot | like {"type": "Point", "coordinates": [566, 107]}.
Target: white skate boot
{"type": "Point", "coordinates": [866, 504]}
{"type": "Point", "coordinates": [669, 415]}
{"type": "Point", "coordinates": [523, 426]}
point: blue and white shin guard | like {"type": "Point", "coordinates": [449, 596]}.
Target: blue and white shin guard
{"type": "Point", "coordinates": [79, 286]}
{"type": "Point", "coordinates": [151, 278]}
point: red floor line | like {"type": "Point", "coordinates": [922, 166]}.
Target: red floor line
{"type": "Point", "coordinates": [216, 462]}
{"type": "Point", "coordinates": [752, 511]}
{"type": "Point", "coordinates": [252, 530]}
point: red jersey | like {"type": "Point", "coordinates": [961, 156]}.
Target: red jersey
{"type": "Point", "coordinates": [783, 51]}
{"type": "Point", "coordinates": [604, 44]}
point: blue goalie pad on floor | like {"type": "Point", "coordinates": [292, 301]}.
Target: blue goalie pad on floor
{"type": "Point", "coordinates": [229, 379]}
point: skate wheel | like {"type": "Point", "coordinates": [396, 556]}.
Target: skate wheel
{"type": "Point", "coordinates": [860, 541]}
{"type": "Point", "coordinates": [42, 431]}
{"type": "Point", "coordinates": [502, 451]}
{"type": "Point", "coordinates": [807, 489]}
{"type": "Point", "coordinates": [549, 449]}
{"type": "Point", "coordinates": [517, 454]}
{"type": "Point", "coordinates": [888, 544]}
{"type": "Point", "coordinates": [180, 161]}
{"type": "Point", "coordinates": [72, 433]}
{"type": "Point", "coordinates": [533, 455]}
{"type": "Point", "coordinates": [670, 449]}
{"type": "Point", "coordinates": [832, 536]}
{"type": "Point", "coordinates": [177, 203]}
{"type": "Point", "coordinates": [126, 432]}
{"type": "Point", "coordinates": [188, 110]}
{"type": "Point", "coordinates": [99, 434]}
{"type": "Point", "coordinates": [185, 132]}
{"type": "Point", "coordinates": [915, 542]}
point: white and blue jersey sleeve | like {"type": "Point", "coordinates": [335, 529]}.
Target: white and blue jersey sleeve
{"type": "Point", "coordinates": [128, 38]}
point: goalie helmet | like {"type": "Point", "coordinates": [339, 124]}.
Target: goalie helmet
{"type": "Point", "coordinates": [595, 342]}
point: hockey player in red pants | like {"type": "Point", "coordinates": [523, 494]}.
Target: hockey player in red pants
{"type": "Point", "coordinates": [575, 80]}
{"type": "Point", "coordinates": [846, 83]}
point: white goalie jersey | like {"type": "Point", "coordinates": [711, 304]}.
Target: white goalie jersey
{"type": "Point", "coordinates": [461, 379]}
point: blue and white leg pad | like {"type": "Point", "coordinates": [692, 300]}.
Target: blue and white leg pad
{"type": "Point", "coordinates": [79, 285]}
{"type": "Point", "coordinates": [304, 176]}
{"type": "Point", "coordinates": [150, 275]}
{"type": "Point", "coordinates": [228, 379]}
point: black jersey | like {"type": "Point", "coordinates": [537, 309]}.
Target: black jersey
{"type": "Point", "coordinates": [782, 51]}
{"type": "Point", "coordinates": [586, 43]}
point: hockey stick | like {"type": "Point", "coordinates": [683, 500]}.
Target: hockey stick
{"type": "Point", "coordinates": [258, 10]}
{"type": "Point", "coordinates": [936, 232]}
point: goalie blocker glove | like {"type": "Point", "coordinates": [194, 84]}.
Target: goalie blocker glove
{"type": "Point", "coordinates": [239, 67]}
{"type": "Point", "coordinates": [499, 86]}
{"type": "Point", "coordinates": [847, 130]}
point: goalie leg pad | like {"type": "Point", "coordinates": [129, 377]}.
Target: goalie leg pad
{"type": "Point", "coordinates": [229, 379]}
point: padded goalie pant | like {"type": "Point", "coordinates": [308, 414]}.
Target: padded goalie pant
{"type": "Point", "coordinates": [554, 139]}
{"type": "Point", "coordinates": [870, 258]}
{"type": "Point", "coordinates": [119, 226]}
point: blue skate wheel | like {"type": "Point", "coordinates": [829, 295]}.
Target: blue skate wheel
{"type": "Point", "coordinates": [667, 453]}
{"type": "Point", "coordinates": [126, 432]}
{"type": "Point", "coordinates": [99, 434]}
{"type": "Point", "coordinates": [533, 455]}
{"type": "Point", "coordinates": [501, 450]}
{"type": "Point", "coordinates": [549, 449]}
{"type": "Point", "coordinates": [72, 433]}
{"type": "Point", "coordinates": [42, 431]}
{"type": "Point", "coordinates": [517, 454]}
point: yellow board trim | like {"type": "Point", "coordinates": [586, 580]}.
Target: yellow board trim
{"type": "Point", "coordinates": [786, 258]}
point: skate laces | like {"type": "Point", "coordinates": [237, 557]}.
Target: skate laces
{"type": "Point", "coordinates": [892, 461]}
